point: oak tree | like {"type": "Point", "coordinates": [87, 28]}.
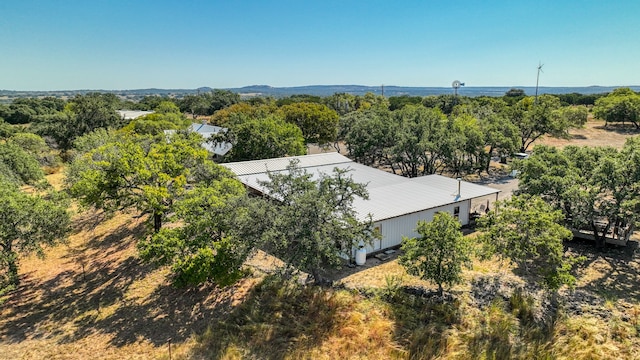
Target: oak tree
{"type": "Point", "coordinates": [439, 254]}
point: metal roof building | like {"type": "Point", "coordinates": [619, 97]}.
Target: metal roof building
{"type": "Point", "coordinates": [208, 131]}
{"type": "Point", "coordinates": [132, 114]}
{"type": "Point", "coordinates": [395, 203]}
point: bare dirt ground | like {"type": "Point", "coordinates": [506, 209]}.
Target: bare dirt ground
{"type": "Point", "coordinates": [594, 133]}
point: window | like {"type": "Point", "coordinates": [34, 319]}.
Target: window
{"type": "Point", "coordinates": [456, 212]}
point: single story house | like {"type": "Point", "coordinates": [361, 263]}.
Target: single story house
{"type": "Point", "coordinates": [395, 203]}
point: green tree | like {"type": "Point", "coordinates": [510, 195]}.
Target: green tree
{"type": "Point", "coordinates": [18, 166]}
{"type": "Point", "coordinates": [595, 188]}
{"type": "Point", "coordinates": [298, 98]}
{"type": "Point", "coordinates": [213, 236]}
{"type": "Point", "coordinates": [141, 173]}
{"type": "Point", "coordinates": [501, 137]}
{"type": "Point", "coordinates": [82, 114]}
{"type": "Point", "coordinates": [622, 105]}
{"type": "Point", "coordinates": [313, 222]}
{"type": "Point", "coordinates": [37, 147]}
{"type": "Point", "coordinates": [439, 254]}
{"type": "Point", "coordinates": [398, 102]}
{"type": "Point", "coordinates": [29, 222]}
{"type": "Point", "coordinates": [240, 112]}
{"type": "Point", "coordinates": [419, 143]}
{"type": "Point", "coordinates": [194, 104]}
{"type": "Point", "coordinates": [574, 116]}
{"type": "Point", "coordinates": [342, 103]}
{"type": "Point", "coordinates": [20, 114]}
{"type": "Point", "coordinates": [528, 232]}
{"type": "Point", "coordinates": [95, 139]}
{"type": "Point", "coordinates": [535, 119]}
{"type": "Point", "coordinates": [318, 123]}
{"type": "Point", "coordinates": [463, 145]}
{"type": "Point", "coordinates": [156, 123]}
{"type": "Point", "coordinates": [262, 138]}
{"type": "Point", "coordinates": [151, 102]}
{"type": "Point", "coordinates": [6, 130]}
{"type": "Point", "coordinates": [93, 111]}
{"type": "Point", "coordinates": [167, 107]}
{"type": "Point", "coordinates": [514, 95]}
{"type": "Point", "coordinates": [370, 136]}
{"type": "Point", "coordinates": [31, 143]}
{"type": "Point", "coordinates": [220, 99]}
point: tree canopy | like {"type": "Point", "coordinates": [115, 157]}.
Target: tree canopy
{"type": "Point", "coordinates": [622, 105]}
{"type": "Point", "coordinates": [18, 166]}
{"type": "Point", "coordinates": [141, 173]}
{"type": "Point", "coordinates": [318, 123]}
{"type": "Point", "coordinates": [439, 254]}
{"type": "Point", "coordinates": [29, 222]}
{"type": "Point", "coordinates": [312, 222]}
{"type": "Point", "coordinates": [595, 188]}
{"type": "Point", "coordinates": [262, 138]}
{"type": "Point", "coordinates": [528, 232]}
{"type": "Point", "coordinates": [211, 241]}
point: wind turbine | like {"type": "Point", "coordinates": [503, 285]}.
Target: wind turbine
{"type": "Point", "coordinates": [540, 65]}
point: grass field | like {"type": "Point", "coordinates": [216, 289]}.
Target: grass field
{"type": "Point", "coordinates": [92, 298]}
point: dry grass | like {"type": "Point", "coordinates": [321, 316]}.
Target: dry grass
{"type": "Point", "coordinates": [594, 133]}
{"type": "Point", "coordinates": [93, 298]}
{"type": "Point", "coordinates": [119, 308]}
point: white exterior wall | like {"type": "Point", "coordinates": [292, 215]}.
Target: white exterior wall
{"type": "Point", "coordinates": [395, 228]}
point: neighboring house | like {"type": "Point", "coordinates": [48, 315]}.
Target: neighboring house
{"type": "Point", "coordinates": [207, 131]}
{"type": "Point", "coordinates": [395, 203]}
{"type": "Point", "coordinates": [132, 114]}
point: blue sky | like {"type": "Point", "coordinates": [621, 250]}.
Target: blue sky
{"type": "Point", "coordinates": [113, 44]}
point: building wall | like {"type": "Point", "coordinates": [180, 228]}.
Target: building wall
{"type": "Point", "coordinates": [394, 229]}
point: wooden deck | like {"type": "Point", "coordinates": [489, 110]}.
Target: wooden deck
{"type": "Point", "coordinates": [588, 235]}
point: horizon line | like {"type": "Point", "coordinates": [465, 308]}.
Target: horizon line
{"type": "Point", "coordinates": [320, 85]}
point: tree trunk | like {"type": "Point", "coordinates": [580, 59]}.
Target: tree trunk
{"type": "Point", "coordinates": [12, 270]}
{"type": "Point", "coordinates": [157, 222]}
{"type": "Point", "coordinates": [440, 290]}
{"type": "Point", "coordinates": [488, 165]}
{"type": "Point", "coordinates": [317, 278]}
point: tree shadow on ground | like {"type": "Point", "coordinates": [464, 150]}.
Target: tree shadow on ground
{"type": "Point", "coordinates": [577, 137]}
{"type": "Point", "coordinates": [611, 272]}
{"type": "Point", "coordinates": [97, 293]}
{"type": "Point", "coordinates": [277, 320]}
{"type": "Point", "coordinates": [40, 308]}
{"type": "Point", "coordinates": [117, 295]}
{"type": "Point", "coordinates": [620, 128]}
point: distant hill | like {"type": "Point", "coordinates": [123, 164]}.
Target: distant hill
{"type": "Point", "coordinates": [321, 90]}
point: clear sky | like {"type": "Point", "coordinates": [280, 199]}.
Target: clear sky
{"type": "Point", "coordinates": [134, 44]}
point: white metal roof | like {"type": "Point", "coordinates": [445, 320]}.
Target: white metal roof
{"type": "Point", "coordinates": [132, 114]}
{"type": "Point", "coordinates": [277, 164]}
{"type": "Point", "coordinates": [208, 131]}
{"type": "Point", "coordinates": [390, 195]}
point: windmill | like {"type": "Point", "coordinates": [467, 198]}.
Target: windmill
{"type": "Point", "coordinates": [456, 85]}
{"type": "Point", "coordinates": [540, 65]}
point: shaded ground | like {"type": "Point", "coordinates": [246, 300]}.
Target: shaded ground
{"type": "Point", "coordinates": [94, 299]}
